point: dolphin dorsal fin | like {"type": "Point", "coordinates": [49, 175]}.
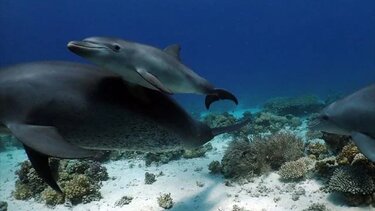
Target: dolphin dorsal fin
{"type": "Point", "coordinates": [173, 50]}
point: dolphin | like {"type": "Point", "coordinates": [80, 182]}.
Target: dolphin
{"type": "Point", "coordinates": [148, 66]}
{"type": "Point", "coordinates": [353, 115]}
{"type": "Point", "coordinates": [71, 110]}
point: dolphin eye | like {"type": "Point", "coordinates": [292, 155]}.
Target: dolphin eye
{"type": "Point", "coordinates": [116, 47]}
{"type": "Point", "coordinates": [325, 117]}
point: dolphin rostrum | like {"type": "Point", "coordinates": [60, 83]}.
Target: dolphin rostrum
{"type": "Point", "coordinates": [353, 115]}
{"type": "Point", "coordinates": [70, 110]}
{"type": "Point", "coordinates": [148, 66]}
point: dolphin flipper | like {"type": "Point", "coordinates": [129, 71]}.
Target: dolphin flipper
{"type": "Point", "coordinates": [219, 94]}
{"type": "Point", "coordinates": [153, 80]}
{"type": "Point", "coordinates": [366, 144]}
{"type": "Point", "coordinates": [47, 140]}
{"type": "Point", "coordinates": [42, 168]}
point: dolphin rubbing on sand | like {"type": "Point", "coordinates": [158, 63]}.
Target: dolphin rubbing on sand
{"type": "Point", "coordinates": [70, 110]}
{"type": "Point", "coordinates": [148, 66]}
{"type": "Point", "coordinates": [353, 115]}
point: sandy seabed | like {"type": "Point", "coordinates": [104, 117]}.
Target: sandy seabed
{"type": "Point", "coordinates": [181, 179]}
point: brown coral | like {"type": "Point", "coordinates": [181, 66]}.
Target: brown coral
{"type": "Point", "coordinates": [347, 154]}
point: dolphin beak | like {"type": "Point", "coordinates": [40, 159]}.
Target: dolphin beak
{"type": "Point", "coordinates": [83, 48]}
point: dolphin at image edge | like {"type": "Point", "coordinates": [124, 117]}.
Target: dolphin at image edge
{"type": "Point", "coordinates": [148, 66]}
{"type": "Point", "coordinates": [353, 115]}
{"type": "Point", "coordinates": [70, 110]}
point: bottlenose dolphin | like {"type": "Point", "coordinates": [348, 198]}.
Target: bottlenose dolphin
{"type": "Point", "coordinates": [70, 110]}
{"type": "Point", "coordinates": [148, 66]}
{"type": "Point", "coordinates": [353, 115]}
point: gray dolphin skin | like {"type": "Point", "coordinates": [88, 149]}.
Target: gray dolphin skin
{"type": "Point", "coordinates": [353, 115]}
{"type": "Point", "coordinates": [70, 110]}
{"type": "Point", "coordinates": [148, 66]}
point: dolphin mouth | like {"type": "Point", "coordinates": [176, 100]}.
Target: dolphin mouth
{"type": "Point", "coordinates": [79, 46]}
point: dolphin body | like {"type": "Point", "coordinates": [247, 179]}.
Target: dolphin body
{"type": "Point", "coordinates": [148, 66]}
{"type": "Point", "coordinates": [353, 115]}
{"type": "Point", "coordinates": [70, 110]}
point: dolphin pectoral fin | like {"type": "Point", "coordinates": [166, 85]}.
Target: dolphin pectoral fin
{"type": "Point", "coordinates": [41, 165]}
{"type": "Point", "coordinates": [154, 81]}
{"type": "Point", "coordinates": [173, 50]}
{"type": "Point", "coordinates": [47, 140]}
{"type": "Point", "coordinates": [366, 144]}
{"type": "Point", "coordinates": [219, 94]}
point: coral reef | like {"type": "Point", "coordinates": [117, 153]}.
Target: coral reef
{"type": "Point", "coordinates": [335, 142]}
{"type": "Point", "coordinates": [29, 184]}
{"type": "Point", "coordinates": [162, 157]}
{"type": "Point", "coordinates": [326, 166]}
{"type": "Point", "coordinates": [354, 182]}
{"type": "Point", "coordinates": [198, 152]}
{"type": "Point", "coordinates": [280, 148]}
{"type": "Point", "coordinates": [165, 201]}
{"type": "Point", "coordinates": [293, 170]}
{"type": "Point", "coordinates": [149, 178]}
{"type": "Point", "coordinates": [245, 159]}
{"type": "Point", "coordinates": [267, 122]}
{"type": "Point", "coordinates": [166, 157]}
{"type": "Point", "coordinates": [318, 149]}
{"type": "Point", "coordinates": [347, 154]}
{"type": "Point", "coordinates": [219, 120]}
{"type": "Point", "coordinates": [317, 207]}
{"type": "Point", "coordinates": [215, 167]}
{"type": "Point", "coordinates": [80, 189]}
{"type": "Point", "coordinates": [297, 106]}
{"type": "Point", "coordinates": [51, 197]}
{"type": "Point", "coordinates": [119, 155]}
{"type": "Point", "coordinates": [225, 119]}
{"type": "Point", "coordinates": [79, 180]}
{"type": "Point", "coordinates": [241, 160]}
{"type": "Point", "coordinates": [3, 206]}
{"type": "Point", "coordinates": [124, 201]}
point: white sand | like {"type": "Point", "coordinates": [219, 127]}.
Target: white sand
{"type": "Point", "coordinates": [179, 179]}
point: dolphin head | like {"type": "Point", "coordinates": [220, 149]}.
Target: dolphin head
{"type": "Point", "coordinates": [328, 121]}
{"type": "Point", "coordinates": [103, 51]}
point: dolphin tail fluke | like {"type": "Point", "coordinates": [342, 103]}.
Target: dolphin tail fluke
{"type": "Point", "coordinates": [219, 94]}
{"type": "Point", "coordinates": [227, 129]}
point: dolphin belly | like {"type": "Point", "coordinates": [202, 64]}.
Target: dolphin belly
{"type": "Point", "coordinates": [114, 128]}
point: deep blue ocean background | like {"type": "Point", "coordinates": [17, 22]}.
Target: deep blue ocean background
{"type": "Point", "coordinates": [257, 49]}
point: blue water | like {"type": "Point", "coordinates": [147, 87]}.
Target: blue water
{"type": "Point", "coordinates": [257, 49]}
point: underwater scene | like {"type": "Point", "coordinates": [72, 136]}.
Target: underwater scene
{"type": "Point", "coordinates": [210, 105]}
